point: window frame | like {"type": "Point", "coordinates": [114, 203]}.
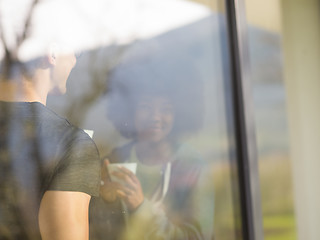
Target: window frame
{"type": "Point", "coordinates": [242, 124]}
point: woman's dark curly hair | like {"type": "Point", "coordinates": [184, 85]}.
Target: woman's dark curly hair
{"type": "Point", "coordinates": [180, 85]}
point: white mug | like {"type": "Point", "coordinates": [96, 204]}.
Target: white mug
{"type": "Point", "coordinates": [112, 167]}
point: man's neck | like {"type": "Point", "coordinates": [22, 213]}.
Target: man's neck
{"type": "Point", "coordinates": [24, 90]}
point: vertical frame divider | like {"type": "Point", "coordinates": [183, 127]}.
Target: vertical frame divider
{"type": "Point", "coordinates": [243, 117]}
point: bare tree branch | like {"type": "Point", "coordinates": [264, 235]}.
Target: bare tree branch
{"type": "Point", "coordinates": [78, 108]}
{"type": "Point", "coordinates": [10, 56]}
{"type": "Point", "coordinates": [24, 33]}
{"type": "Point", "coordinates": [7, 60]}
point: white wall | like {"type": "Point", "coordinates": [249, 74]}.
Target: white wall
{"type": "Point", "coordinates": [301, 32]}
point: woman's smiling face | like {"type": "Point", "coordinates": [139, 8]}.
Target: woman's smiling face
{"type": "Point", "coordinates": [154, 118]}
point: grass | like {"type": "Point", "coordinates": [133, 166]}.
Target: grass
{"type": "Point", "coordinates": [276, 200]}
{"type": "Point", "coordinates": [279, 227]}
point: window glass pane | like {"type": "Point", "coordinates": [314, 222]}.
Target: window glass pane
{"type": "Point", "coordinates": [151, 87]}
{"type": "Point", "coordinates": [267, 73]}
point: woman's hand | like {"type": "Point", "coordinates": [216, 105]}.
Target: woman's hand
{"type": "Point", "coordinates": [130, 192]}
{"type": "Point", "coordinates": [108, 189]}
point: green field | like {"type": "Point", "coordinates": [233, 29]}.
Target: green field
{"type": "Point", "coordinates": [276, 198]}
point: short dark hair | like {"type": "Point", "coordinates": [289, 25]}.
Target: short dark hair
{"type": "Point", "coordinates": [183, 88]}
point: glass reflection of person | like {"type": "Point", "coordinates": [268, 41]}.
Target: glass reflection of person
{"type": "Point", "coordinates": [49, 168]}
{"type": "Point", "coordinates": [171, 196]}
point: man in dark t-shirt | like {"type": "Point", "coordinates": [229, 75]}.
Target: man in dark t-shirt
{"type": "Point", "coordinates": [40, 152]}
{"type": "Point", "coordinates": [49, 169]}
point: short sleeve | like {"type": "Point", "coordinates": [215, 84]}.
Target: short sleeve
{"type": "Point", "coordinates": [79, 166]}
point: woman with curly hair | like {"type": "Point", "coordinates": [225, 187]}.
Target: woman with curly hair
{"type": "Point", "coordinates": [171, 194]}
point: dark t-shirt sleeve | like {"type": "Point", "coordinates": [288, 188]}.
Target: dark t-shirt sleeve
{"type": "Point", "coordinates": [79, 167]}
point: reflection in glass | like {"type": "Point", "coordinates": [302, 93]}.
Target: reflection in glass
{"type": "Point", "coordinates": [175, 50]}
{"type": "Point", "coordinates": [171, 195]}
{"type": "Point", "coordinates": [188, 62]}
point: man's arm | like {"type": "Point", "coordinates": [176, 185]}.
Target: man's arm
{"type": "Point", "coordinates": [64, 215]}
